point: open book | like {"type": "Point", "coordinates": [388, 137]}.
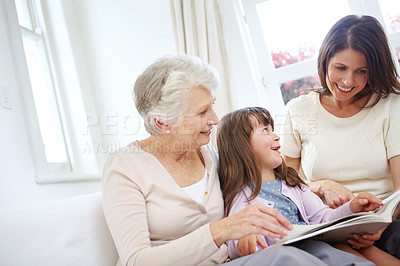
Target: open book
{"type": "Point", "coordinates": [342, 229]}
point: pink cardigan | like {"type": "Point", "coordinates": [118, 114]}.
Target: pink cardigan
{"type": "Point", "coordinates": [312, 209]}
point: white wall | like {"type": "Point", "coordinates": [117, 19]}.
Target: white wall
{"type": "Point", "coordinates": [117, 40]}
{"type": "Point", "coordinates": [114, 41]}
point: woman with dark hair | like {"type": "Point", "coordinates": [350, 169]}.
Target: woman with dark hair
{"type": "Point", "coordinates": [344, 138]}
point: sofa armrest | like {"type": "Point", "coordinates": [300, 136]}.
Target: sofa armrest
{"type": "Point", "coordinates": [72, 231]}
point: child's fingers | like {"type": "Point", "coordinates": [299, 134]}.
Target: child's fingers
{"type": "Point", "coordinates": [253, 247]}
{"type": "Point", "coordinates": [360, 203]}
{"type": "Point", "coordinates": [247, 245]}
{"type": "Point", "coordinates": [242, 247]}
{"type": "Point", "coordinates": [365, 202]}
{"type": "Point", "coordinates": [261, 242]}
{"type": "Point", "coordinates": [372, 206]}
{"type": "Point", "coordinates": [246, 248]}
{"type": "Point", "coordinates": [367, 205]}
{"type": "Point", "coordinates": [373, 202]}
{"type": "Point", "coordinates": [371, 198]}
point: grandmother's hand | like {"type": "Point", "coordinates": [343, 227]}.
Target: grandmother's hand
{"type": "Point", "coordinates": [333, 193]}
{"type": "Point", "coordinates": [254, 219]}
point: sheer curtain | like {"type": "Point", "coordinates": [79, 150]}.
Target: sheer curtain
{"type": "Point", "coordinates": [198, 31]}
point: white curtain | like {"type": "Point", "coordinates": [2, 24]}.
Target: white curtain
{"type": "Point", "coordinates": [198, 31]}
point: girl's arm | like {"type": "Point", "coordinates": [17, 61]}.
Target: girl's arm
{"type": "Point", "coordinates": [333, 193]}
{"type": "Point", "coordinates": [245, 219]}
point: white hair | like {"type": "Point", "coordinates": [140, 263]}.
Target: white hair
{"type": "Point", "coordinates": [161, 91]}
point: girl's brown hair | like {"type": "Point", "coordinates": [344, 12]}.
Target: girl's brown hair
{"type": "Point", "coordinates": [238, 167]}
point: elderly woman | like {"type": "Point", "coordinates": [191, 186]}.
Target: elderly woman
{"type": "Point", "coordinates": [161, 195]}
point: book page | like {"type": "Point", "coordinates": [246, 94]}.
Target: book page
{"type": "Point", "coordinates": [301, 229]}
{"type": "Point", "coordinates": [341, 229]}
{"type": "Point", "coordinates": [389, 206]}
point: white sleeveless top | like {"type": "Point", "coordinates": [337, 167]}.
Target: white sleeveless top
{"type": "Point", "coordinates": [197, 190]}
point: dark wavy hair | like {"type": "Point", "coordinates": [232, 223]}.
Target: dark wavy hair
{"type": "Point", "coordinates": [238, 167]}
{"type": "Point", "coordinates": [366, 35]}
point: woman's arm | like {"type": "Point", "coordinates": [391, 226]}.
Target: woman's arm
{"type": "Point", "coordinates": [333, 193]}
{"type": "Point", "coordinates": [368, 240]}
{"type": "Point", "coordinates": [394, 164]}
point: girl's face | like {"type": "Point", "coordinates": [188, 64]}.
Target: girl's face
{"type": "Point", "coordinates": [347, 74]}
{"type": "Point", "coordinates": [195, 126]}
{"type": "Point", "coordinates": [265, 145]}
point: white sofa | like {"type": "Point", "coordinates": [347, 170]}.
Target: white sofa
{"type": "Point", "coordinates": [70, 232]}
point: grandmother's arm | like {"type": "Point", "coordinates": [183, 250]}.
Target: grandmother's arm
{"type": "Point", "coordinates": [254, 219]}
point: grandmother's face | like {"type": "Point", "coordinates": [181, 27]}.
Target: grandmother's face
{"type": "Point", "coordinates": [196, 124]}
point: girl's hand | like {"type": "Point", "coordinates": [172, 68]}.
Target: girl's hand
{"type": "Point", "coordinates": [333, 193]}
{"type": "Point", "coordinates": [248, 245]}
{"type": "Point", "coordinates": [365, 240]}
{"type": "Point", "coordinates": [365, 202]}
{"type": "Point", "coordinates": [254, 219]}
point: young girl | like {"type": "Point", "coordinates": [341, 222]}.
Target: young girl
{"type": "Point", "coordinates": [251, 169]}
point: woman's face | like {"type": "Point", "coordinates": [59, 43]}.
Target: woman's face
{"type": "Point", "coordinates": [265, 145]}
{"type": "Point", "coordinates": [194, 127]}
{"type": "Point", "coordinates": [347, 74]}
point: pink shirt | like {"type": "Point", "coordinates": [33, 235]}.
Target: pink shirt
{"type": "Point", "coordinates": [312, 209]}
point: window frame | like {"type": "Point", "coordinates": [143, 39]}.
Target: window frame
{"type": "Point", "coordinates": [73, 110]}
{"type": "Point", "coordinates": [38, 24]}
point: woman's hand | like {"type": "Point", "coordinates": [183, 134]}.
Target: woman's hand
{"type": "Point", "coordinates": [333, 193]}
{"type": "Point", "coordinates": [365, 240]}
{"type": "Point", "coordinates": [254, 219]}
{"type": "Point", "coordinates": [248, 245]}
{"type": "Point", "coordinates": [365, 202]}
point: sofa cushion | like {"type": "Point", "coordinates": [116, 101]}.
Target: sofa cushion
{"type": "Point", "coordinates": [69, 232]}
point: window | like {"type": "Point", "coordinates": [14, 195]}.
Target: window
{"type": "Point", "coordinates": [286, 36]}
{"type": "Point", "coordinates": [53, 102]}
{"type": "Point", "coordinates": [44, 84]}
{"type": "Point", "coordinates": [391, 15]}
